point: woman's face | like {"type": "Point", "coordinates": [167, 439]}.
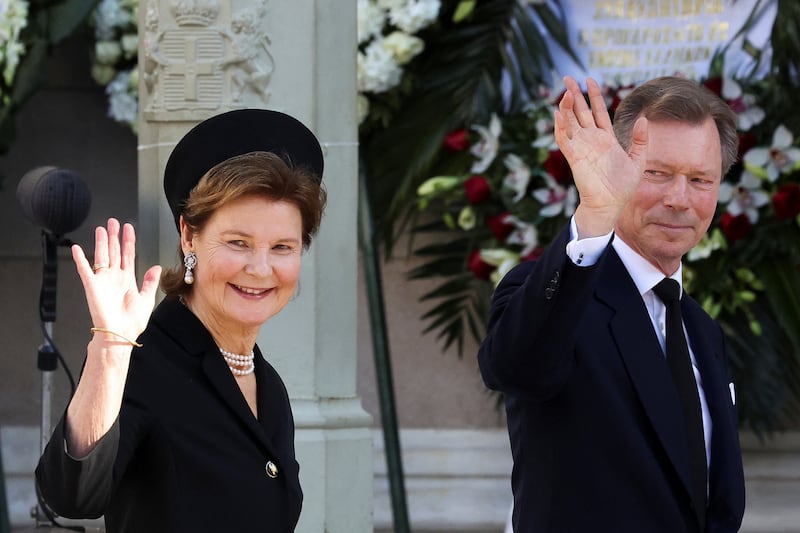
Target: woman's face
{"type": "Point", "coordinates": [248, 263]}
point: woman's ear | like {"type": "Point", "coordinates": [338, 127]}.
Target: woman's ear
{"type": "Point", "coordinates": [187, 237]}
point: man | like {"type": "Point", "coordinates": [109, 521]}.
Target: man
{"type": "Point", "coordinates": [606, 435]}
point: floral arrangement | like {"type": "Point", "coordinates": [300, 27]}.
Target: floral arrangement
{"type": "Point", "coordinates": [115, 62]}
{"type": "Point", "coordinates": [514, 191]}
{"type": "Point", "coordinates": [387, 41]}
{"type": "Point", "coordinates": [13, 18]}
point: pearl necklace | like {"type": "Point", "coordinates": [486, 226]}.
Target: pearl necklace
{"type": "Point", "coordinates": [240, 365]}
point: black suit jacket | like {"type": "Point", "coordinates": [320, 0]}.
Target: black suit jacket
{"type": "Point", "coordinates": [186, 453]}
{"type": "Point", "coordinates": [594, 418]}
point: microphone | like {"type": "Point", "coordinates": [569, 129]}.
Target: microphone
{"type": "Point", "coordinates": [54, 199]}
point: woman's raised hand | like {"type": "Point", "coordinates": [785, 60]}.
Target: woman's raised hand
{"type": "Point", "coordinates": [120, 312]}
{"type": "Point", "coordinates": [115, 301]}
{"type": "Point", "coordinates": [605, 174]}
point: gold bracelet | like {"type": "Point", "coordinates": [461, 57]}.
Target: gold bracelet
{"type": "Point", "coordinates": [123, 337]}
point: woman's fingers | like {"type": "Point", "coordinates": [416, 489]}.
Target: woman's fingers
{"type": "Point", "coordinates": [81, 263]}
{"type": "Point", "coordinates": [128, 248]}
{"type": "Point", "coordinates": [100, 248]}
{"type": "Point", "coordinates": [113, 243]}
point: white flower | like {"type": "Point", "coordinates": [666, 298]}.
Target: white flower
{"type": "Point", "coordinates": [378, 70]}
{"type": "Point", "coordinates": [402, 46]}
{"type": "Point", "coordinates": [545, 137]}
{"type": "Point", "coordinates": [748, 113]}
{"type": "Point", "coordinates": [524, 235]}
{"type": "Point", "coordinates": [413, 15]}
{"type": "Point", "coordinates": [555, 199]}
{"type": "Point", "coordinates": [779, 158]}
{"type": "Point", "coordinates": [371, 19]}
{"type": "Point", "coordinates": [707, 245]}
{"type": "Point", "coordinates": [518, 177]}
{"type": "Point", "coordinates": [110, 15]}
{"type": "Point", "coordinates": [745, 197]}
{"type": "Point", "coordinates": [467, 218]}
{"type": "Point", "coordinates": [107, 52]}
{"type": "Point", "coordinates": [103, 74]}
{"type": "Point", "coordinates": [130, 44]}
{"type": "Point", "coordinates": [486, 148]}
{"type": "Point", "coordinates": [501, 258]}
{"type": "Point", "coordinates": [123, 106]}
{"type": "Point", "coordinates": [13, 18]}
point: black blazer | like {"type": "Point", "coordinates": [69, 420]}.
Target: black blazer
{"type": "Point", "coordinates": [594, 419]}
{"type": "Point", "coordinates": [186, 453]}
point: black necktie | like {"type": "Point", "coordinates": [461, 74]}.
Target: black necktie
{"type": "Point", "coordinates": [680, 365]}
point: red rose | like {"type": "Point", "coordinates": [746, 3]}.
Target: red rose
{"type": "Point", "coordinates": [617, 95]}
{"type": "Point", "coordinates": [478, 266]}
{"type": "Point", "coordinates": [786, 201]}
{"type": "Point", "coordinates": [747, 140]}
{"type": "Point", "coordinates": [714, 85]}
{"type": "Point", "coordinates": [500, 227]}
{"type": "Point", "coordinates": [556, 165]}
{"type": "Point", "coordinates": [456, 141]}
{"type": "Point", "coordinates": [734, 227]}
{"type": "Point", "coordinates": [477, 189]}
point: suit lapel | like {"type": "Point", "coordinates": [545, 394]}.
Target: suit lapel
{"type": "Point", "coordinates": [221, 379]}
{"type": "Point", "coordinates": [641, 353]}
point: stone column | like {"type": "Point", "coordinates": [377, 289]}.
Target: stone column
{"type": "Point", "coordinates": [198, 58]}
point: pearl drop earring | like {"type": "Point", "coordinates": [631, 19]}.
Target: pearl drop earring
{"type": "Point", "coordinates": [190, 261]}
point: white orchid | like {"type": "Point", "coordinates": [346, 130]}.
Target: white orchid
{"type": "Point", "coordinates": [745, 197]}
{"type": "Point", "coordinates": [555, 198]}
{"type": "Point", "coordinates": [780, 158]}
{"type": "Point", "coordinates": [486, 148]}
{"type": "Point", "coordinates": [748, 113]}
{"type": "Point", "coordinates": [502, 259]}
{"type": "Point", "coordinates": [519, 175]}
{"type": "Point", "coordinates": [525, 235]}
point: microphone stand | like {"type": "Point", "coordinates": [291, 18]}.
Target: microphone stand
{"type": "Point", "coordinates": [47, 360]}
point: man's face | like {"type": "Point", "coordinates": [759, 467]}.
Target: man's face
{"type": "Point", "coordinates": [677, 197]}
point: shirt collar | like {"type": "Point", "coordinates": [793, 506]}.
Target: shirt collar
{"type": "Point", "coordinates": [644, 274]}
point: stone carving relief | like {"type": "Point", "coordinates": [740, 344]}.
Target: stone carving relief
{"type": "Point", "coordinates": [205, 56]}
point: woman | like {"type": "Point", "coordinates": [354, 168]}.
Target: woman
{"type": "Point", "coordinates": [178, 423]}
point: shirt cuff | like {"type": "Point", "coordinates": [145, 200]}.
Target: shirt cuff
{"type": "Point", "coordinates": [586, 252]}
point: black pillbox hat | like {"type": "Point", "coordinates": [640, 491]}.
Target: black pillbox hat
{"type": "Point", "coordinates": [231, 134]}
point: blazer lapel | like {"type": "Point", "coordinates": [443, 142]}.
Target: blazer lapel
{"type": "Point", "coordinates": [220, 377]}
{"type": "Point", "coordinates": [632, 331]}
